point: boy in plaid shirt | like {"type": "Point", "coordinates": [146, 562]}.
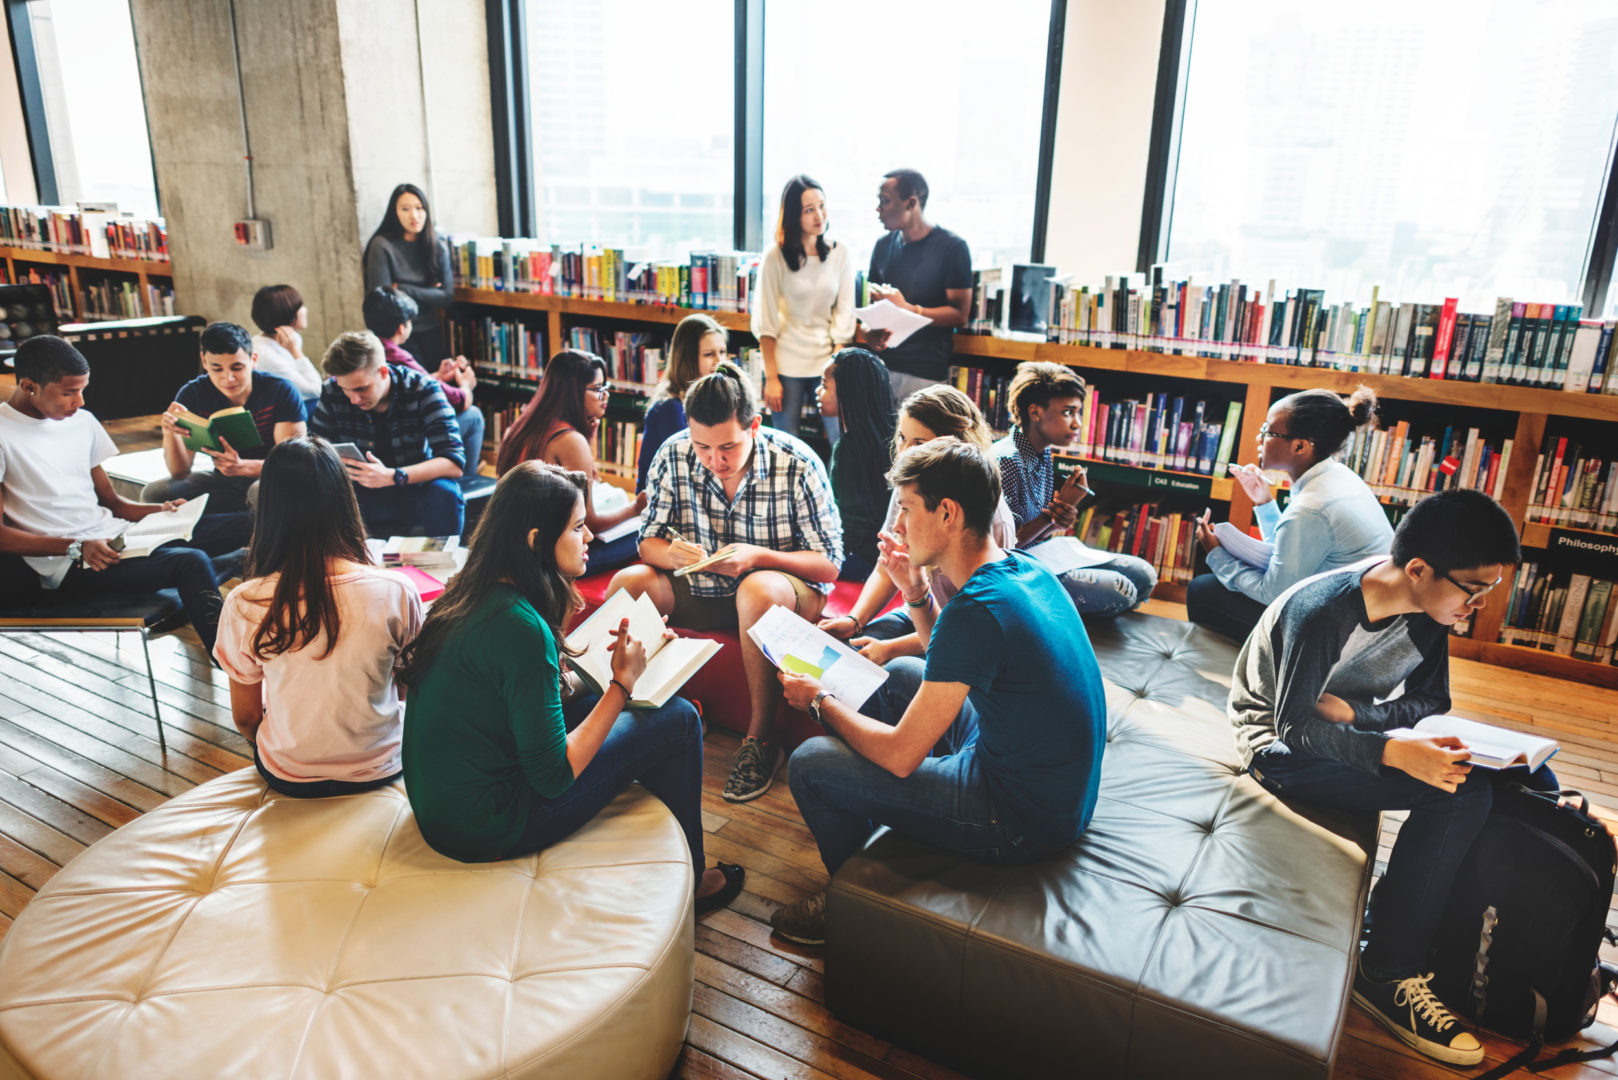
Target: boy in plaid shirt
{"type": "Point", "coordinates": [725, 483]}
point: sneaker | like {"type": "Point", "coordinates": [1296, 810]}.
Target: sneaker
{"type": "Point", "coordinates": [803, 921]}
{"type": "Point", "coordinates": [1410, 1009]}
{"type": "Point", "coordinates": [753, 771]}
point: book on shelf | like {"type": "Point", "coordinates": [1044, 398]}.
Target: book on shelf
{"type": "Point", "coordinates": [1165, 538]}
{"type": "Point", "coordinates": [99, 233]}
{"type": "Point", "coordinates": [233, 425]}
{"type": "Point", "coordinates": [512, 348]}
{"type": "Point", "coordinates": [669, 661]}
{"type": "Point", "coordinates": [617, 443]}
{"type": "Point", "coordinates": [633, 358]}
{"type": "Point", "coordinates": [1563, 612]}
{"type": "Point", "coordinates": [1574, 486]}
{"type": "Point", "coordinates": [1402, 466]}
{"type": "Point", "coordinates": [1490, 746]}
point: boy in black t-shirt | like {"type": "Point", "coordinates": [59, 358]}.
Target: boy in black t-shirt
{"type": "Point", "coordinates": [228, 379]}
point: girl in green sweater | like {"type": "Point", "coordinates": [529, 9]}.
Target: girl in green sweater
{"type": "Point", "coordinates": [503, 756]}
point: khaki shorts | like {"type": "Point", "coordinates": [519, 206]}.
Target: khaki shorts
{"type": "Point", "coordinates": [719, 612]}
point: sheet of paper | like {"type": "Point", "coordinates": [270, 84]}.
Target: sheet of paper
{"type": "Point", "coordinates": [1255, 553]}
{"type": "Point", "coordinates": [1065, 553]}
{"type": "Point", "coordinates": [703, 564]}
{"type": "Point", "coordinates": [792, 644]}
{"type": "Point", "coordinates": [886, 315]}
{"type": "Point", "coordinates": [154, 530]}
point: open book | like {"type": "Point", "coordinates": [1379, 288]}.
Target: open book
{"type": "Point", "coordinates": [235, 425]}
{"type": "Point", "coordinates": [670, 662]}
{"type": "Point", "coordinates": [424, 551]}
{"type": "Point", "coordinates": [1492, 747]}
{"type": "Point", "coordinates": [1255, 553]}
{"type": "Point", "coordinates": [155, 530]}
{"type": "Point", "coordinates": [793, 644]}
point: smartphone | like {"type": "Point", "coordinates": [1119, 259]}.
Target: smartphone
{"type": "Point", "coordinates": [349, 451]}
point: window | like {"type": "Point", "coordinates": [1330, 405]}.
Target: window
{"type": "Point", "coordinates": [1443, 148]}
{"type": "Point", "coordinates": [632, 123]}
{"type": "Point", "coordinates": [960, 99]}
{"type": "Point", "coordinates": [95, 115]}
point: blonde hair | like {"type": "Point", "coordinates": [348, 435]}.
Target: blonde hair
{"type": "Point", "coordinates": [947, 413]}
{"type": "Point", "coordinates": [354, 350]}
{"type": "Point", "coordinates": [685, 351]}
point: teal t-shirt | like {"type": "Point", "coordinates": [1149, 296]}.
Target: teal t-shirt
{"type": "Point", "coordinates": [1013, 635]}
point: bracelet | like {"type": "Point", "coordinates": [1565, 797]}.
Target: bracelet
{"type": "Point", "coordinates": [925, 601]}
{"type": "Point", "coordinates": [859, 627]}
{"type": "Point", "coordinates": [627, 695]}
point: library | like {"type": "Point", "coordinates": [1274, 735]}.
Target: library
{"type": "Point", "coordinates": [737, 539]}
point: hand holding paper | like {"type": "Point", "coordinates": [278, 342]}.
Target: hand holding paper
{"type": "Point", "coordinates": [900, 324]}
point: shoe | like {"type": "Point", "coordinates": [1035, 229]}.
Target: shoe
{"type": "Point", "coordinates": [803, 921]}
{"type": "Point", "coordinates": [753, 771]}
{"type": "Point", "coordinates": [1410, 1009]}
{"type": "Point", "coordinates": [735, 877]}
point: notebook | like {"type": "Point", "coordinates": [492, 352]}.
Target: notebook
{"type": "Point", "coordinates": [670, 661]}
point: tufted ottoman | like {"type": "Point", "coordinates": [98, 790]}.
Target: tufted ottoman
{"type": "Point", "coordinates": [234, 932]}
{"type": "Point", "coordinates": [1200, 927]}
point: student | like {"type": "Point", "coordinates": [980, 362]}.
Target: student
{"type": "Point", "coordinates": [280, 314]}
{"type": "Point", "coordinates": [557, 426]}
{"type": "Point", "coordinates": [310, 640]}
{"type": "Point", "coordinates": [726, 483]}
{"type": "Point", "coordinates": [923, 268]}
{"type": "Point", "coordinates": [937, 412]}
{"type": "Point", "coordinates": [860, 460]}
{"type": "Point", "coordinates": [805, 308]}
{"type": "Point", "coordinates": [389, 314]}
{"type": "Point", "coordinates": [1313, 702]}
{"type": "Point", "coordinates": [59, 515]}
{"type": "Point", "coordinates": [696, 349]}
{"type": "Point", "coordinates": [503, 755]}
{"type": "Point", "coordinates": [400, 420]}
{"type": "Point", "coordinates": [1048, 402]}
{"type": "Point", "coordinates": [228, 379]}
{"type": "Point", "coordinates": [992, 746]}
{"type": "Point", "coordinates": [406, 253]}
{"type": "Point", "coordinates": [1332, 519]}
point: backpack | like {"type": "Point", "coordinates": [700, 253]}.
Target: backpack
{"type": "Point", "coordinates": [1517, 948]}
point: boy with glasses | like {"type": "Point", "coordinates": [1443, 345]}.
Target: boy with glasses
{"type": "Point", "coordinates": [1316, 699]}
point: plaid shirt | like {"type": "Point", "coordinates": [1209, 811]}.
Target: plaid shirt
{"type": "Point", "coordinates": [1027, 479]}
{"type": "Point", "coordinates": [784, 503]}
{"type": "Point", "coordinates": [421, 425]}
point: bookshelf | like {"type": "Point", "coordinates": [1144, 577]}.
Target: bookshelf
{"type": "Point", "coordinates": [83, 271]}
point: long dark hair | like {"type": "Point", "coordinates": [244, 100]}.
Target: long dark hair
{"type": "Point", "coordinates": [390, 226]}
{"type": "Point", "coordinates": [685, 347]}
{"type": "Point", "coordinates": [560, 397]}
{"type": "Point", "coordinates": [1325, 419]}
{"type": "Point", "coordinates": [789, 229]}
{"type": "Point", "coordinates": [866, 410]}
{"type": "Point", "coordinates": [533, 495]}
{"type": "Point", "coordinates": [307, 518]}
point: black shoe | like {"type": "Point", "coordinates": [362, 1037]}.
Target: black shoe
{"type": "Point", "coordinates": [735, 877]}
{"type": "Point", "coordinates": [1410, 1009]}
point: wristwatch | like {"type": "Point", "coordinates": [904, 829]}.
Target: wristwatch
{"type": "Point", "coordinates": [814, 707]}
{"type": "Point", "coordinates": [75, 551]}
{"type": "Point", "coordinates": [399, 478]}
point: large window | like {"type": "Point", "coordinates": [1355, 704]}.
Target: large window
{"type": "Point", "coordinates": [954, 94]}
{"type": "Point", "coordinates": [630, 103]}
{"type": "Point", "coordinates": [1441, 148]}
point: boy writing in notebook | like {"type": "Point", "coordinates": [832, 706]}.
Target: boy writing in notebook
{"type": "Point", "coordinates": [1312, 700]}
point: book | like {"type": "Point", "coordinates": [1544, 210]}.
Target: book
{"type": "Point", "coordinates": [234, 425]}
{"type": "Point", "coordinates": [795, 645]}
{"type": "Point", "coordinates": [154, 530]}
{"type": "Point", "coordinates": [428, 587]}
{"type": "Point", "coordinates": [423, 551]}
{"type": "Point", "coordinates": [1490, 746]}
{"type": "Point", "coordinates": [670, 662]}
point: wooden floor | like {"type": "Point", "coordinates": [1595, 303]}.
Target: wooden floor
{"type": "Point", "coordinates": [79, 757]}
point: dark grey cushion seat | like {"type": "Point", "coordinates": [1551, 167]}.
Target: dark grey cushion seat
{"type": "Point", "coordinates": [1200, 927]}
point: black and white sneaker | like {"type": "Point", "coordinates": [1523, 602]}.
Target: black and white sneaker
{"type": "Point", "coordinates": [1410, 1009]}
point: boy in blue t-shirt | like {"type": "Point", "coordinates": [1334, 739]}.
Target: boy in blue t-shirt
{"type": "Point", "coordinates": [227, 380]}
{"type": "Point", "coordinates": [992, 746]}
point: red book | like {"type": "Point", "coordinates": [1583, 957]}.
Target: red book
{"type": "Point", "coordinates": [428, 586]}
{"type": "Point", "coordinates": [1442, 339]}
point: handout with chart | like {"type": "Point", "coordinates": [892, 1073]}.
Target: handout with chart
{"type": "Point", "coordinates": [794, 645]}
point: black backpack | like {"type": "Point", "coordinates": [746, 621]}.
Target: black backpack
{"type": "Point", "coordinates": [1517, 948]}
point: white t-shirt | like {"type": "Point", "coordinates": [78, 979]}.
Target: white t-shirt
{"type": "Point", "coordinates": [275, 360]}
{"type": "Point", "coordinates": [45, 481]}
{"type": "Point", "coordinates": [808, 311]}
{"type": "Point", "coordinates": [332, 717]}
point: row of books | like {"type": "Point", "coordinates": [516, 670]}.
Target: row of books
{"type": "Point", "coordinates": [1572, 614]}
{"type": "Point", "coordinates": [707, 281]}
{"type": "Point", "coordinates": [1166, 540]}
{"type": "Point", "coordinates": [505, 347]}
{"type": "Point", "coordinates": [617, 442]}
{"type": "Point", "coordinates": [56, 281]}
{"type": "Point", "coordinates": [1518, 343]}
{"type": "Point", "coordinates": [1401, 467]}
{"type": "Point", "coordinates": [1574, 486]}
{"type": "Point", "coordinates": [631, 358]}
{"type": "Point", "coordinates": [101, 233]}
{"type": "Point", "coordinates": [109, 299]}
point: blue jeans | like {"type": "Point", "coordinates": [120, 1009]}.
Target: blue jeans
{"type": "Point", "coordinates": [662, 748]}
{"type": "Point", "coordinates": [1208, 603]}
{"type": "Point", "coordinates": [857, 566]}
{"type": "Point", "coordinates": [1122, 583]}
{"type": "Point", "coordinates": [610, 555]}
{"type": "Point", "coordinates": [946, 802]}
{"type": "Point", "coordinates": [1432, 843]}
{"type": "Point", "coordinates": [435, 508]}
{"type": "Point", "coordinates": [795, 391]}
{"type": "Point", "coordinates": [470, 421]}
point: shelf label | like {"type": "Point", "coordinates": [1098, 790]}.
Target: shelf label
{"type": "Point", "coordinates": [1103, 472]}
{"type": "Point", "coordinates": [1584, 553]}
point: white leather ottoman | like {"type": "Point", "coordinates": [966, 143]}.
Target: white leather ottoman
{"type": "Point", "coordinates": [235, 932]}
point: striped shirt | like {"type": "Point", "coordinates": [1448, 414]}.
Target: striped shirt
{"type": "Point", "coordinates": [419, 423]}
{"type": "Point", "coordinates": [1027, 478]}
{"type": "Point", "coordinates": [784, 503]}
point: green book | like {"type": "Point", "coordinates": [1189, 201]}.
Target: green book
{"type": "Point", "coordinates": [1227, 440]}
{"type": "Point", "coordinates": [234, 425]}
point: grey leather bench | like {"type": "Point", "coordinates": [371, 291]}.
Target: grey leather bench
{"type": "Point", "coordinates": [1200, 927]}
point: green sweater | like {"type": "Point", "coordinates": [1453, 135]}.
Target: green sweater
{"type": "Point", "coordinates": [483, 734]}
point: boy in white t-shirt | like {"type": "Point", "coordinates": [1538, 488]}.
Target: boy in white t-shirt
{"type": "Point", "coordinates": [59, 514]}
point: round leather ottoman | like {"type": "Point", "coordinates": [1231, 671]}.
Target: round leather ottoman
{"type": "Point", "coordinates": [235, 932]}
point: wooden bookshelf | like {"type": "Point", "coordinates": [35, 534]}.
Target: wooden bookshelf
{"type": "Point", "coordinates": [144, 270]}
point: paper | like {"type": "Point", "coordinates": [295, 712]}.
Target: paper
{"type": "Point", "coordinates": [886, 315]}
{"type": "Point", "coordinates": [792, 644]}
{"type": "Point", "coordinates": [622, 529]}
{"type": "Point", "coordinates": [702, 564]}
{"type": "Point", "coordinates": [1491, 747]}
{"type": "Point", "coordinates": [1065, 553]}
{"type": "Point", "coordinates": [1255, 553]}
{"type": "Point", "coordinates": [155, 530]}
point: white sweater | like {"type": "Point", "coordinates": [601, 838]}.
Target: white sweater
{"type": "Point", "coordinates": [809, 311]}
{"type": "Point", "coordinates": [301, 373]}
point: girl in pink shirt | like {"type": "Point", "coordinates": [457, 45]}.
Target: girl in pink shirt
{"type": "Point", "coordinates": [311, 639]}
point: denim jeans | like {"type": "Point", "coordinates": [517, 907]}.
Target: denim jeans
{"type": "Point", "coordinates": [470, 421]}
{"type": "Point", "coordinates": [895, 624]}
{"type": "Point", "coordinates": [946, 802]}
{"type": "Point", "coordinates": [1208, 603]}
{"type": "Point", "coordinates": [795, 391]}
{"type": "Point", "coordinates": [662, 748]}
{"type": "Point", "coordinates": [182, 565]}
{"type": "Point", "coordinates": [611, 554]}
{"type": "Point", "coordinates": [226, 494]}
{"type": "Point", "coordinates": [1122, 583]}
{"type": "Point", "coordinates": [435, 508]}
{"type": "Point", "coordinates": [1432, 843]}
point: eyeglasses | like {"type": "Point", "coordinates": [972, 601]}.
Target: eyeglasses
{"type": "Point", "coordinates": [1474, 593]}
{"type": "Point", "coordinates": [1265, 432]}
{"type": "Point", "coordinates": [600, 389]}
